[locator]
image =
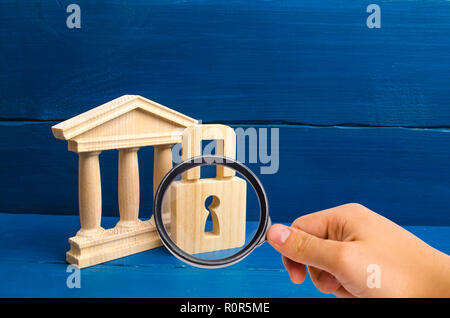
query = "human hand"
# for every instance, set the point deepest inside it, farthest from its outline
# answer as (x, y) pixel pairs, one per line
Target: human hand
(346, 247)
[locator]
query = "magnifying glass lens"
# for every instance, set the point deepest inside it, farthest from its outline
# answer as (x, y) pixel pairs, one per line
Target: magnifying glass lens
(209, 215)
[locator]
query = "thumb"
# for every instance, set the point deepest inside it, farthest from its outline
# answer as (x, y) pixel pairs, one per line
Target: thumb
(305, 248)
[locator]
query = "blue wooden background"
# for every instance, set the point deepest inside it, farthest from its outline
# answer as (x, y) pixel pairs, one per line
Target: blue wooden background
(364, 114)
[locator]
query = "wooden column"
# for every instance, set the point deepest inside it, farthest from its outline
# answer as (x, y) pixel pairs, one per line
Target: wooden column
(89, 194)
(128, 187)
(162, 163)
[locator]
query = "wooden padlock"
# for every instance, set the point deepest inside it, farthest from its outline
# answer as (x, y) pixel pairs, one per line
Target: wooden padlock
(188, 196)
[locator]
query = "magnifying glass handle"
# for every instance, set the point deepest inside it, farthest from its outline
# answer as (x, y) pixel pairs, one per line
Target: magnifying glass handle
(263, 239)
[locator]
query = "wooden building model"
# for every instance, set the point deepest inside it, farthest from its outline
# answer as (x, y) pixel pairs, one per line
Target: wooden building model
(126, 124)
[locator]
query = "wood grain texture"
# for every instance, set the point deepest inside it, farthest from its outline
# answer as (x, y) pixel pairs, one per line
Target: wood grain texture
(312, 62)
(124, 124)
(128, 187)
(112, 243)
(189, 215)
(187, 197)
(400, 173)
(89, 194)
(193, 136)
(36, 268)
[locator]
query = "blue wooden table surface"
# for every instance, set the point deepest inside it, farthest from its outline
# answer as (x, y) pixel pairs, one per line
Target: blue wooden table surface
(32, 265)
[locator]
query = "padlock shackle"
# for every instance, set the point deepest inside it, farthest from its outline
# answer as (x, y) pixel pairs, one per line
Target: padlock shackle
(191, 146)
(264, 222)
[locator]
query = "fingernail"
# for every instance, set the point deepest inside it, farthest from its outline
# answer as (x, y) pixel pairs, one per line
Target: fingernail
(278, 234)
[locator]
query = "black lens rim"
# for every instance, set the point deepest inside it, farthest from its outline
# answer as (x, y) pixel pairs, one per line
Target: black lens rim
(203, 160)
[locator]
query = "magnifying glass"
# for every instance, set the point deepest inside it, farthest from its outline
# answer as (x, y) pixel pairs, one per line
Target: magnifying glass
(211, 222)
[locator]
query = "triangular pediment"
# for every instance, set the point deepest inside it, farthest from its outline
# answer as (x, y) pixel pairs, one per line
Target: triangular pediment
(127, 121)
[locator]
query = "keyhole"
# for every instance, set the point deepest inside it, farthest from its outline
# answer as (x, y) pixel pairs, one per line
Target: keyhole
(212, 222)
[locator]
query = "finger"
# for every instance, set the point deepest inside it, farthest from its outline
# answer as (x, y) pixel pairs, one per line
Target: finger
(341, 292)
(297, 272)
(324, 281)
(304, 248)
(327, 224)
(317, 223)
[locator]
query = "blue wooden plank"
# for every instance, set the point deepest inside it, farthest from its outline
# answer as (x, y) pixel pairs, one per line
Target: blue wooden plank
(400, 173)
(307, 61)
(32, 265)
